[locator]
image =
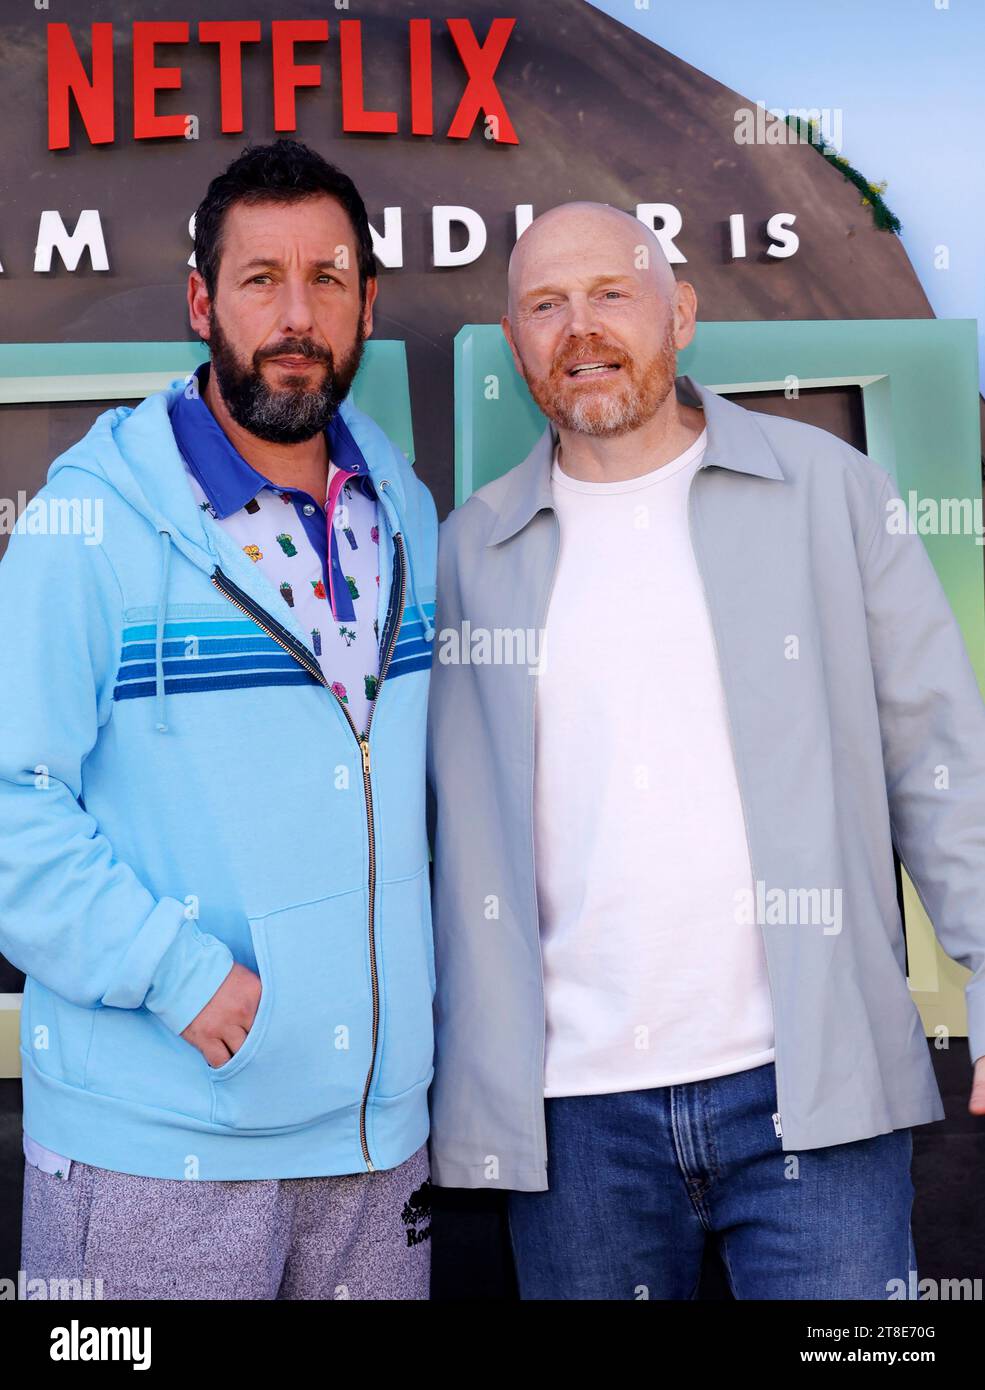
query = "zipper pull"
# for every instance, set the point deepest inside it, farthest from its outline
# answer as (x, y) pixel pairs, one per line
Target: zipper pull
(364, 745)
(776, 1125)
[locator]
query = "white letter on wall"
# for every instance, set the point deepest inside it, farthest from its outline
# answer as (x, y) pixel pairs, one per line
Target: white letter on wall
(787, 240)
(442, 217)
(389, 247)
(53, 236)
(671, 223)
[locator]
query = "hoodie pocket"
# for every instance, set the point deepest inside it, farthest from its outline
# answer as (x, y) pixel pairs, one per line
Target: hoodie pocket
(307, 1054)
(407, 953)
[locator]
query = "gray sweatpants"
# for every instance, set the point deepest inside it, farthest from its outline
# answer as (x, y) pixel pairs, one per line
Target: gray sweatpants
(359, 1236)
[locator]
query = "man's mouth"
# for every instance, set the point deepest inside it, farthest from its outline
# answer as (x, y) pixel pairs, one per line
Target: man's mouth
(582, 370)
(296, 363)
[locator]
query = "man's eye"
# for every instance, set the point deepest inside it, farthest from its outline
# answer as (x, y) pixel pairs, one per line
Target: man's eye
(255, 279)
(546, 304)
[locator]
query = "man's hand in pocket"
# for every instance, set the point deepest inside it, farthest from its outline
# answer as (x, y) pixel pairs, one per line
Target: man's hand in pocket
(220, 1029)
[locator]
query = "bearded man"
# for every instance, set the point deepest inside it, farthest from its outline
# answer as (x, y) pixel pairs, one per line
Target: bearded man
(215, 873)
(746, 689)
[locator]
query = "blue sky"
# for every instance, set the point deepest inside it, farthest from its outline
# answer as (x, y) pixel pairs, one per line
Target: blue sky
(909, 79)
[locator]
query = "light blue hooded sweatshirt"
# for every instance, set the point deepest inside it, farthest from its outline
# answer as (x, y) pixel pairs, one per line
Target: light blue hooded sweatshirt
(179, 790)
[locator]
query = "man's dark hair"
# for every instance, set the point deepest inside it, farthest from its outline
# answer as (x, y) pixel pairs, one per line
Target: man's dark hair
(284, 172)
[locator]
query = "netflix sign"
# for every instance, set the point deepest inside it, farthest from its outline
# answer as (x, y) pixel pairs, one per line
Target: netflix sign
(345, 56)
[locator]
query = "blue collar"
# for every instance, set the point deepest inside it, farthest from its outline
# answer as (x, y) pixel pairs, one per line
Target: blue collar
(227, 480)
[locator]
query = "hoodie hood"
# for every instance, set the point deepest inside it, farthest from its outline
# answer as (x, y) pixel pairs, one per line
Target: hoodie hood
(134, 451)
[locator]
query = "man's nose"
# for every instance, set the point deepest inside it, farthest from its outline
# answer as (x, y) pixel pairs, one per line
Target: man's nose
(582, 318)
(296, 308)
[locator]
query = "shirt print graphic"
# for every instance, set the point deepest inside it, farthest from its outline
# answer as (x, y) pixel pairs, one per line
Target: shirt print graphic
(271, 534)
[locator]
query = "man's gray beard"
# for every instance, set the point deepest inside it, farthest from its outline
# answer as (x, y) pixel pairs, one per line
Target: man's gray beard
(298, 413)
(288, 416)
(603, 418)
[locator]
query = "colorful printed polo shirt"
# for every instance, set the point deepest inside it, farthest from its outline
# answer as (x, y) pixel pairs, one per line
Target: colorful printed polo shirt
(322, 557)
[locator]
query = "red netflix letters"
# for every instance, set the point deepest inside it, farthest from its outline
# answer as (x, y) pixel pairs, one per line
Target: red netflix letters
(90, 86)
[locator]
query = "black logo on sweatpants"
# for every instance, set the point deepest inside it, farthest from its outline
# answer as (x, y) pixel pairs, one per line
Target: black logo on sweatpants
(417, 1211)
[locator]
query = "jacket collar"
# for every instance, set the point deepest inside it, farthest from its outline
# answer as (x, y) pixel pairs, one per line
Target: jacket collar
(734, 441)
(227, 480)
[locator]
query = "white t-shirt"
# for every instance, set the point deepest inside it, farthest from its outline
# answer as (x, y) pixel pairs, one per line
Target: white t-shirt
(650, 978)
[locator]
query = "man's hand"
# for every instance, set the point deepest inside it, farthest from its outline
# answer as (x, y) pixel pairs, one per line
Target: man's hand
(977, 1103)
(220, 1029)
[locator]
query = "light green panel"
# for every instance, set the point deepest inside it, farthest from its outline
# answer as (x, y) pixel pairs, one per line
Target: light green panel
(48, 372)
(919, 384)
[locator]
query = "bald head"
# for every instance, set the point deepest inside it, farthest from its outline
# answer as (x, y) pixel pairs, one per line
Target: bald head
(586, 240)
(595, 319)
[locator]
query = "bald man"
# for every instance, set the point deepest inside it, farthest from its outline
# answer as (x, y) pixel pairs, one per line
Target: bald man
(686, 669)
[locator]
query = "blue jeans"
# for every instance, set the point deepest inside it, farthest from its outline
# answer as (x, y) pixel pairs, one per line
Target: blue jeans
(639, 1179)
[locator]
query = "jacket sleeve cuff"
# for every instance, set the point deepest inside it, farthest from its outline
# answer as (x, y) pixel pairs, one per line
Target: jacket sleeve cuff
(187, 976)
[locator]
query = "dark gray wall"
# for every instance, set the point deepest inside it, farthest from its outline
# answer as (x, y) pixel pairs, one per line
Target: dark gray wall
(600, 113)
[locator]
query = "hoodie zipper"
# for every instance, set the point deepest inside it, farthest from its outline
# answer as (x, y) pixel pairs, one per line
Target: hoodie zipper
(745, 818)
(270, 625)
(293, 647)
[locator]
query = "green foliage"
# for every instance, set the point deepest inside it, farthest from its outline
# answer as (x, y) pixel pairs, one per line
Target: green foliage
(810, 133)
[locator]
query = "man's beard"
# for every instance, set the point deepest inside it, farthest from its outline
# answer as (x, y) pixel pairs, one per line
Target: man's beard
(620, 405)
(286, 414)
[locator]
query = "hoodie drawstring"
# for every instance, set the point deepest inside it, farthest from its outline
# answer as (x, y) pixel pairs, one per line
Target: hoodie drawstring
(162, 604)
(397, 525)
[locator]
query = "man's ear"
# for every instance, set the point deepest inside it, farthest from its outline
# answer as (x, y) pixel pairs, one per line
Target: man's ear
(372, 289)
(508, 331)
(199, 304)
(685, 314)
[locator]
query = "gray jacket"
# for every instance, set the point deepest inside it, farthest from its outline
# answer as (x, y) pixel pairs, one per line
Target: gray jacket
(838, 756)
